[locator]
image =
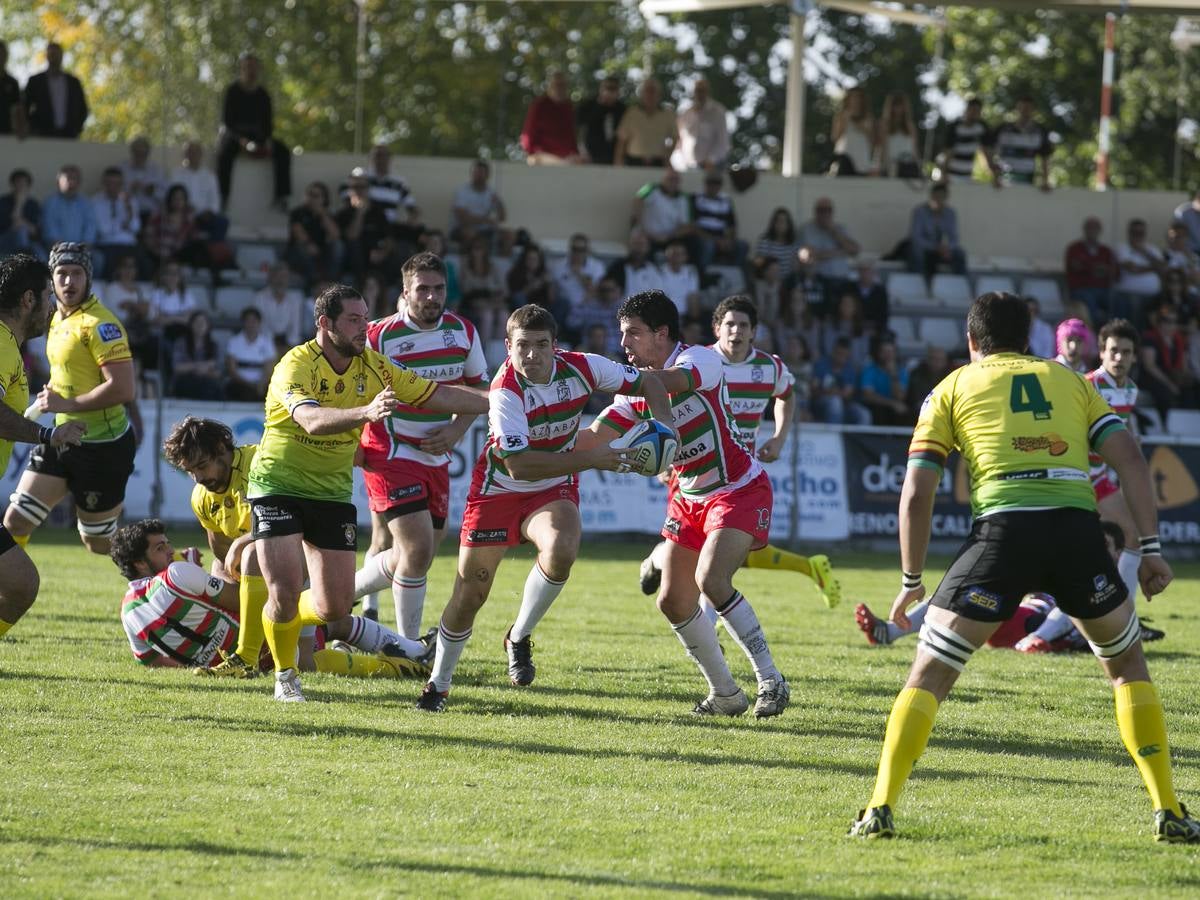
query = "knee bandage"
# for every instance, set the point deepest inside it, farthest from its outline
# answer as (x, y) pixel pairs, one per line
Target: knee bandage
(1122, 642)
(944, 645)
(105, 528)
(29, 507)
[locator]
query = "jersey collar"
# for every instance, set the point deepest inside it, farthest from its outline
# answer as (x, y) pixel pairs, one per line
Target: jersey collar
(407, 320)
(716, 348)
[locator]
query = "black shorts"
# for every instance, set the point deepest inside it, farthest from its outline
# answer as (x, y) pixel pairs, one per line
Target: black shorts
(1060, 552)
(326, 524)
(96, 473)
(6, 541)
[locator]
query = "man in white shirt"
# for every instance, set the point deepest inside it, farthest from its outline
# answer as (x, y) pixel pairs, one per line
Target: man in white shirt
(143, 179)
(578, 274)
(478, 210)
(249, 360)
(681, 282)
(117, 223)
(637, 271)
(1142, 266)
(662, 211)
(203, 192)
(282, 309)
(703, 132)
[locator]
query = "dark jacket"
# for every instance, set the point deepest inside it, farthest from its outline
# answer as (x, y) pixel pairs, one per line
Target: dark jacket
(40, 111)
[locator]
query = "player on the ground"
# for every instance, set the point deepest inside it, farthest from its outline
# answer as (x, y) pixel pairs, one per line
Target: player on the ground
(301, 479)
(719, 513)
(24, 314)
(1023, 426)
(177, 615)
(754, 379)
(524, 486)
(91, 380)
(406, 458)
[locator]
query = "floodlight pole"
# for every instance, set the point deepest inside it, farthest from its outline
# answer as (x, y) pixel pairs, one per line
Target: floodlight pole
(793, 119)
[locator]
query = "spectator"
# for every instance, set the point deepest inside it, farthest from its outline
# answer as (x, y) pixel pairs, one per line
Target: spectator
(249, 359)
(1142, 266)
(55, 105)
(434, 241)
(171, 303)
(196, 361)
(883, 385)
(171, 233)
(826, 248)
(577, 275)
(596, 340)
(896, 145)
(853, 136)
(314, 247)
(366, 234)
(483, 295)
(117, 223)
(248, 126)
(1180, 258)
(768, 288)
(20, 217)
(834, 385)
(798, 318)
(1188, 215)
(662, 211)
(598, 119)
(548, 136)
(379, 304)
(647, 132)
(962, 141)
(1020, 149)
(872, 297)
(847, 322)
(130, 299)
(1164, 358)
(925, 376)
(716, 225)
(478, 210)
(779, 242)
(1091, 269)
(389, 192)
(530, 282)
(703, 132)
(201, 185)
(12, 113)
(1175, 292)
(601, 310)
(933, 236)
(636, 271)
(282, 308)
(1041, 335)
(797, 356)
(143, 179)
(69, 216)
(681, 281)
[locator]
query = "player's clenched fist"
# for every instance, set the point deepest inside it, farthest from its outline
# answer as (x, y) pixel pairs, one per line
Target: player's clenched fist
(68, 433)
(382, 406)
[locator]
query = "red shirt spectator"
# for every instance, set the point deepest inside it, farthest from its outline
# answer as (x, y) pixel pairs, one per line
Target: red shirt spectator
(548, 135)
(1089, 263)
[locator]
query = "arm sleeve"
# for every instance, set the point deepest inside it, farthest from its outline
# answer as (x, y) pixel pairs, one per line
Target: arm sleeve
(507, 422)
(108, 343)
(475, 368)
(933, 437)
(613, 377)
(621, 414)
(703, 366)
(784, 379)
(409, 387)
(292, 386)
(1103, 422)
(142, 650)
(190, 580)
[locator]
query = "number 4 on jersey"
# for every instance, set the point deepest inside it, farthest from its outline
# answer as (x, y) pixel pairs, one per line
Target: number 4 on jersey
(1027, 396)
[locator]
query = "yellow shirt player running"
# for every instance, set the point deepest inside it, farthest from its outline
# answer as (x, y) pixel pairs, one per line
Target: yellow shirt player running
(91, 380)
(1023, 426)
(321, 395)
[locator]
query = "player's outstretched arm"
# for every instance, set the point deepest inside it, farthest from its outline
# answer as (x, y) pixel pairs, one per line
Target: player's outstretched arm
(15, 427)
(916, 518)
(785, 413)
(1120, 450)
(455, 399)
(657, 398)
(317, 419)
(534, 465)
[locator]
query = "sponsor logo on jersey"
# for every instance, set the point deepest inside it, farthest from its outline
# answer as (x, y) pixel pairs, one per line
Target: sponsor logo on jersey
(1051, 442)
(691, 453)
(671, 526)
(514, 440)
(406, 347)
(399, 493)
(323, 387)
(108, 331)
(487, 535)
(977, 596)
(360, 384)
(1105, 589)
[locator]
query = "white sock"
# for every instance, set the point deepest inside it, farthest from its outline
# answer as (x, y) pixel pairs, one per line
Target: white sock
(699, 639)
(710, 611)
(1055, 625)
(916, 616)
(450, 646)
(370, 636)
(1127, 565)
(742, 624)
(372, 578)
(408, 594)
(540, 592)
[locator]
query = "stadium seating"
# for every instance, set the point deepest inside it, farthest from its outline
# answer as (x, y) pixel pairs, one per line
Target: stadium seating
(953, 291)
(986, 284)
(1045, 291)
(231, 300)
(948, 333)
(906, 290)
(255, 260)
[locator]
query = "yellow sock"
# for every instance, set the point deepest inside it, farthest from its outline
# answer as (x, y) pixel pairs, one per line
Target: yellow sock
(1144, 731)
(908, 730)
(284, 640)
(308, 612)
(770, 557)
(4, 626)
(252, 597)
(22, 539)
(357, 665)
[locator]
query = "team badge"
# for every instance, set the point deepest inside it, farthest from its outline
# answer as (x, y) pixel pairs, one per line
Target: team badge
(91, 499)
(756, 374)
(407, 347)
(448, 340)
(360, 384)
(350, 532)
(340, 387)
(564, 392)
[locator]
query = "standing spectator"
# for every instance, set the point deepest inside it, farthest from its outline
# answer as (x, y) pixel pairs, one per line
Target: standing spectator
(1142, 266)
(249, 359)
(598, 119)
(482, 288)
(716, 225)
(143, 179)
(636, 271)
(68, 216)
(826, 248)
(1020, 149)
(896, 146)
(834, 386)
(925, 376)
(648, 131)
(171, 233)
(872, 297)
(171, 303)
(478, 210)
(600, 310)
(196, 361)
(1188, 215)
(577, 275)
(282, 308)
(201, 185)
(962, 141)
(314, 247)
(662, 211)
(779, 243)
(703, 132)
(55, 105)
(1091, 269)
(117, 223)
(933, 236)
(681, 282)
(530, 282)
(389, 192)
(1164, 359)
(548, 136)
(12, 113)
(366, 234)
(883, 385)
(1041, 335)
(853, 134)
(20, 217)
(248, 126)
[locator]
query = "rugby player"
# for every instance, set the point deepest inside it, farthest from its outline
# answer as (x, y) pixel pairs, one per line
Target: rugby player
(720, 512)
(24, 314)
(301, 479)
(406, 458)
(91, 380)
(1023, 426)
(754, 378)
(524, 486)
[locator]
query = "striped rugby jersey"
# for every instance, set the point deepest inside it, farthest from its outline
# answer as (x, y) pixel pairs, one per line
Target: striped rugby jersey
(546, 417)
(752, 384)
(448, 353)
(173, 614)
(1122, 400)
(711, 457)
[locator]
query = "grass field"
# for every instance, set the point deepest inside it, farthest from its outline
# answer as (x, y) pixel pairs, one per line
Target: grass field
(596, 781)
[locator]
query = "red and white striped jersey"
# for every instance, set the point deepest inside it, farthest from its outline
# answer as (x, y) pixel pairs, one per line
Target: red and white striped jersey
(172, 614)
(448, 353)
(1122, 399)
(527, 416)
(752, 384)
(712, 457)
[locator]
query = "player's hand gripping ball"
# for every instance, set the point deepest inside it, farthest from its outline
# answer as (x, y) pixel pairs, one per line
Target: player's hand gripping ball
(653, 445)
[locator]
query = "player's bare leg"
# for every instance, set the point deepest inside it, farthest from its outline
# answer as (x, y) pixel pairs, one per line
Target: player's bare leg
(19, 582)
(282, 561)
(30, 504)
(414, 543)
(97, 528)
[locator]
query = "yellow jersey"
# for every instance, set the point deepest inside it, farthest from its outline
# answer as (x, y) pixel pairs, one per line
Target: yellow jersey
(292, 462)
(77, 345)
(14, 385)
(227, 513)
(1024, 426)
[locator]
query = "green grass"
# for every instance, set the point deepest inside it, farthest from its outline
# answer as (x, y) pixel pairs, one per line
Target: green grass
(595, 782)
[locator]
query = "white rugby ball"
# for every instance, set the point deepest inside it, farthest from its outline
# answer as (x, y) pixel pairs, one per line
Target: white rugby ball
(654, 447)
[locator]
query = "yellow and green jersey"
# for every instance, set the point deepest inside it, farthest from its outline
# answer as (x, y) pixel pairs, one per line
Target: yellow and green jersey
(228, 512)
(78, 344)
(1024, 426)
(14, 386)
(291, 461)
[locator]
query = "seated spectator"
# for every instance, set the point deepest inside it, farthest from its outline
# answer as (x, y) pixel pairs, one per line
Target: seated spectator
(1180, 258)
(798, 318)
(779, 243)
(1091, 269)
(117, 223)
(768, 288)
(847, 322)
(1041, 335)
(600, 310)
(826, 248)
(1142, 266)
(282, 309)
(530, 282)
(596, 340)
(1188, 215)
(925, 376)
(55, 105)
(716, 225)
(1076, 345)
(703, 132)
(962, 141)
(647, 132)
(483, 296)
(834, 387)
(575, 279)
(681, 282)
(434, 241)
(366, 235)
(250, 357)
(143, 179)
(203, 192)
(873, 298)
(853, 134)
(379, 303)
(248, 126)
(196, 362)
(933, 236)
(171, 233)
(1175, 292)
(662, 211)
(636, 271)
(131, 300)
(21, 217)
(478, 210)
(68, 216)
(1164, 363)
(12, 114)
(397, 199)
(548, 136)
(314, 247)
(883, 385)
(597, 119)
(171, 303)
(797, 356)
(1020, 148)
(896, 151)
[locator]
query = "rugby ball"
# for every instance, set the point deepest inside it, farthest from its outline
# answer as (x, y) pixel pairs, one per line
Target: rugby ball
(653, 444)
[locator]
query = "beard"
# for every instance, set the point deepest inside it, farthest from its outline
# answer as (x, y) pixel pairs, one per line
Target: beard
(344, 346)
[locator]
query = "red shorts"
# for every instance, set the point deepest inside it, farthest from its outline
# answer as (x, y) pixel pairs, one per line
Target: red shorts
(1105, 485)
(401, 486)
(495, 520)
(1016, 628)
(747, 509)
